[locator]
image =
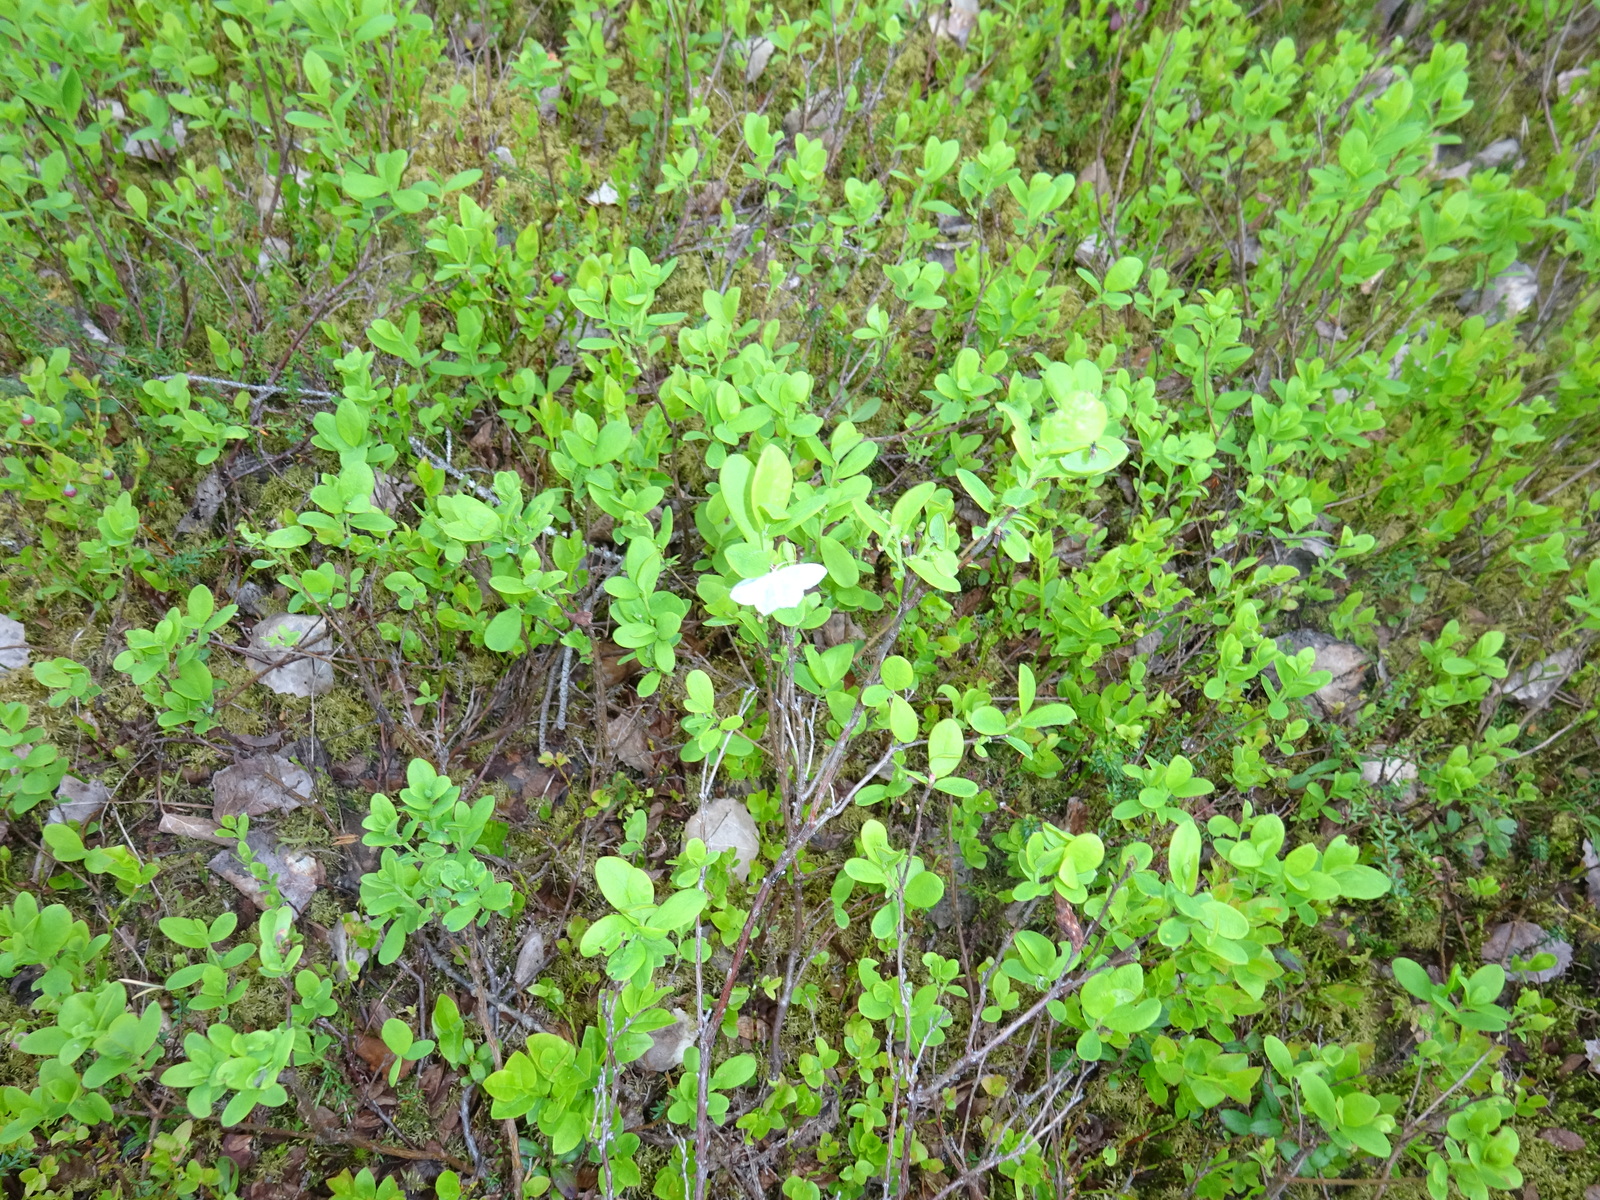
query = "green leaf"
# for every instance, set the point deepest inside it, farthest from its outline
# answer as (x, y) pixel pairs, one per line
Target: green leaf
(902, 720)
(1413, 978)
(71, 95)
(842, 568)
(896, 673)
(772, 482)
(679, 911)
(977, 489)
(504, 631)
(624, 886)
(736, 1071)
(1183, 856)
(945, 748)
(924, 890)
(1319, 1098)
(1124, 274)
(397, 1036)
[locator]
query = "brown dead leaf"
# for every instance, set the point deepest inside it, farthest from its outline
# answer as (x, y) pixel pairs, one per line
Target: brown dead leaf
(1077, 816)
(612, 669)
(1067, 921)
(366, 1122)
(528, 779)
(378, 1057)
(241, 1148)
(625, 738)
(436, 1079)
(1563, 1139)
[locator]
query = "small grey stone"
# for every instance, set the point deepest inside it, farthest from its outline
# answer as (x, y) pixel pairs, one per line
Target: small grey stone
(1346, 661)
(1497, 154)
(726, 824)
(14, 648)
(249, 598)
(309, 752)
(1392, 772)
(1536, 683)
(667, 1045)
(1591, 872)
(209, 494)
(294, 646)
(757, 54)
(1508, 294)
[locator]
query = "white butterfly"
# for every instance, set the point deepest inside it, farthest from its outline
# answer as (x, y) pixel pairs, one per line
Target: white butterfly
(781, 588)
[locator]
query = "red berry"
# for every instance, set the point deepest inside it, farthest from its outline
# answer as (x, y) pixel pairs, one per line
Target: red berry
(557, 278)
(69, 491)
(108, 473)
(27, 419)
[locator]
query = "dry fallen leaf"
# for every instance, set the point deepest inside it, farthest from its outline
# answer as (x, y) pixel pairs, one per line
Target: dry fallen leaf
(1563, 1139)
(530, 959)
(266, 783)
(378, 1057)
(1524, 940)
(625, 737)
(191, 827)
(80, 801)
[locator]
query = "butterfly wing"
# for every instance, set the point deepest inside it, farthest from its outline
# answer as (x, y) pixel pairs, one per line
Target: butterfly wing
(782, 588)
(755, 592)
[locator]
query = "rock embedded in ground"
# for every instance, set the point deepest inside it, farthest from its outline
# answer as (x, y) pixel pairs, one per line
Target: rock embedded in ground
(758, 53)
(14, 648)
(295, 647)
(1563, 1139)
(1524, 940)
(209, 494)
(260, 785)
(1346, 661)
(1509, 293)
(1537, 682)
(726, 824)
(667, 1045)
(1392, 772)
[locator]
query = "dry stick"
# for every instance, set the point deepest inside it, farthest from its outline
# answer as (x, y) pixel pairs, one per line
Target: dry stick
(481, 994)
(361, 1143)
(819, 817)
